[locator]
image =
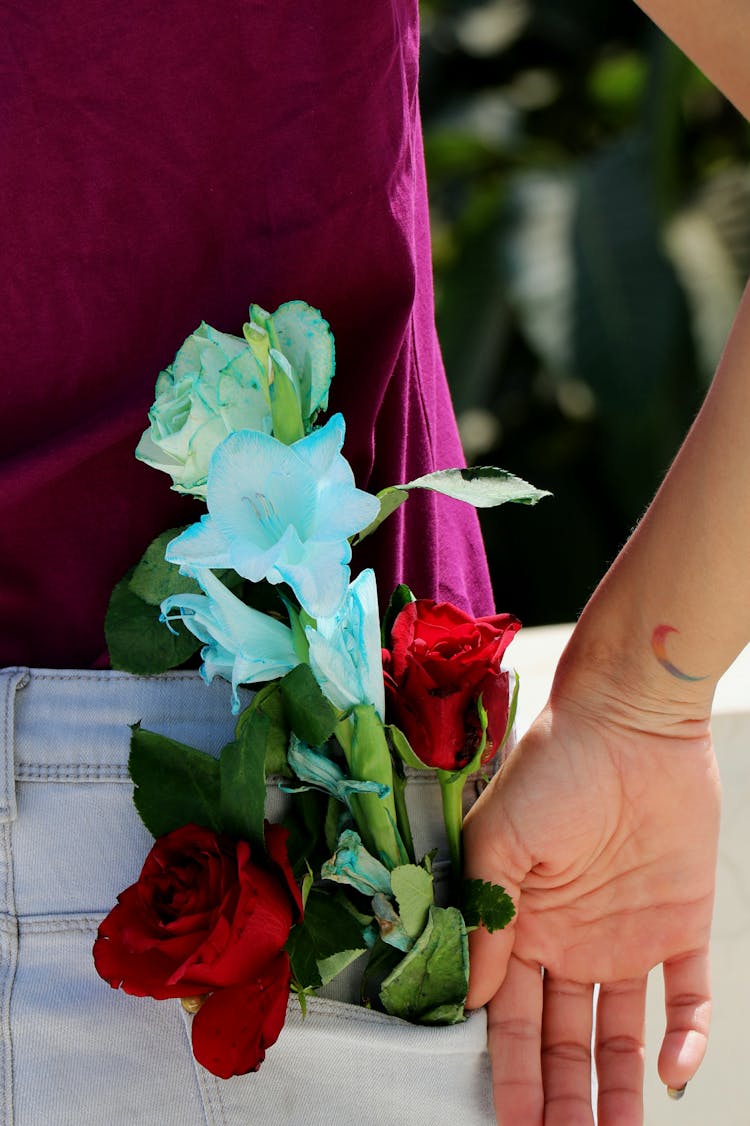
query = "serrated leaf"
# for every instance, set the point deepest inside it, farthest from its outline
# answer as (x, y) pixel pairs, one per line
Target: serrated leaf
(243, 780)
(174, 784)
(429, 985)
(484, 486)
(311, 716)
(329, 935)
(138, 642)
(390, 499)
(412, 887)
(488, 904)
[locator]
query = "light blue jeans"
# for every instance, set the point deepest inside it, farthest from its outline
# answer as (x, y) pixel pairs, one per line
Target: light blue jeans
(74, 1051)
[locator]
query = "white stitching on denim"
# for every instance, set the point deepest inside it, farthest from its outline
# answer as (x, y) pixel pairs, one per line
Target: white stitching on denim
(58, 924)
(72, 772)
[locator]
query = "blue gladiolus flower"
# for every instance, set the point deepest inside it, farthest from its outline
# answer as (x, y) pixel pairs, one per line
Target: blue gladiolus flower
(243, 645)
(281, 513)
(345, 650)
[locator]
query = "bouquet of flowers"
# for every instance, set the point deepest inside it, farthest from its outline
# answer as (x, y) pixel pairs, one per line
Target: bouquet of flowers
(230, 912)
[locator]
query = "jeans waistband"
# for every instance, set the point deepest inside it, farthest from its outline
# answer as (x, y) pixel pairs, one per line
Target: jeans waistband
(75, 724)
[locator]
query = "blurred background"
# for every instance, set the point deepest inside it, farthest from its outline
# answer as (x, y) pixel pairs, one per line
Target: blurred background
(590, 198)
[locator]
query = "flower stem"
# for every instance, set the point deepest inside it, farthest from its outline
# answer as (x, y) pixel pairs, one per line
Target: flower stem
(451, 789)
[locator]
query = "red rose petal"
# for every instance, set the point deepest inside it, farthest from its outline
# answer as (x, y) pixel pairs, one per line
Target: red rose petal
(234, 1027)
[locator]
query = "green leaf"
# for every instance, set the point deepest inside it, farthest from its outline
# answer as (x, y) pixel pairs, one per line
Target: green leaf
(401, 597)
(304, 821)
(270, 703)
(390, 499)
(137, 641)
(403, 748)
(488, 904)
(399, 798)
(153, 579)
(484, 486)
(412, 887)
(174, 784)
(382, 961)
(285, 406)
(328, 939)
(310, 715)
(429, 985)
(243, 780)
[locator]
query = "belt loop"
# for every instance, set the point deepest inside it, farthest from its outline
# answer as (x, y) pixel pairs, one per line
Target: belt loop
(10, 681)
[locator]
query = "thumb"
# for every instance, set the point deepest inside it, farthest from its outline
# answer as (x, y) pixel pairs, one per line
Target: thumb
(490, 854)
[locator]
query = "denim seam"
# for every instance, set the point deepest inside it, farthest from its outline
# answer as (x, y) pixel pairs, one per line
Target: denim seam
(11, 681)
(9, 931)
(58, 924)
(206, 1083)
(8, 960)
(71, 772)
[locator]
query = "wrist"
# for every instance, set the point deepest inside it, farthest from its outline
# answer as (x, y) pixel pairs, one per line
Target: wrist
(611, 668)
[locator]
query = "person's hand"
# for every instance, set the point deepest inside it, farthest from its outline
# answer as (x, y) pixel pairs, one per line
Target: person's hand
(603, 827)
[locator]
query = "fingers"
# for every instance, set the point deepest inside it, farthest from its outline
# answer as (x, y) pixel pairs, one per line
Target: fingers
(687, 997)
(566, 1052)
(493, 853)
(620, 1051)
(514, 1033)
(488, 960)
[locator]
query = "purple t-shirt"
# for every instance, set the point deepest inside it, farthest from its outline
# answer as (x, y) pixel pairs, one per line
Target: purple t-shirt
(168, 163)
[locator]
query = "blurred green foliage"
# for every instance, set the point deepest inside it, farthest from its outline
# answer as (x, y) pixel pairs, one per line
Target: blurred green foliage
(590, 197)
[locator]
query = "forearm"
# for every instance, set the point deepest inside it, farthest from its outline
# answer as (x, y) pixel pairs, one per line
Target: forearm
(686, 567)
(715, 34)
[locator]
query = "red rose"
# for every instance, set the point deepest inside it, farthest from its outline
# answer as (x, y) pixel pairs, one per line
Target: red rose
(207, 918)
(441, 661)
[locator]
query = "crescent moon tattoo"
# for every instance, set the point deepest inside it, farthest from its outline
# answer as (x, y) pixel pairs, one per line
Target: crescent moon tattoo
(658, 647)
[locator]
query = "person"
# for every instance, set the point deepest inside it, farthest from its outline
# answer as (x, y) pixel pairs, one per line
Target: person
(162, 165)
(603, 823)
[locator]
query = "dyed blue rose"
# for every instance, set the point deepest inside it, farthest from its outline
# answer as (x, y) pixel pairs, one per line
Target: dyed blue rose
(345, 649)
(212, 388)
(281, 513)
(243, 645)
(218, 384)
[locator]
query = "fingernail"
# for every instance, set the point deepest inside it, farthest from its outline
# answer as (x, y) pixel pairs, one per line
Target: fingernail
(676, 1092)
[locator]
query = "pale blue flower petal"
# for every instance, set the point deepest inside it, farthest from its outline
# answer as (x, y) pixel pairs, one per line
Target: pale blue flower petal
(284, 513)
(345, 650)
(200, 545)
(392, 930)
(319, 450)
(321, 773)
(342, 511)
(243, 645)
(302, 331)
(256, 487)
(321, 578)
(352, 864)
